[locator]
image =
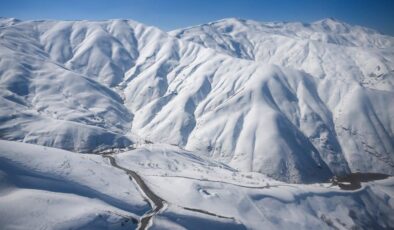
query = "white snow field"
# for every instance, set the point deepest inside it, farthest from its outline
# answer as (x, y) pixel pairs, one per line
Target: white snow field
(231, 124)
(48, 188)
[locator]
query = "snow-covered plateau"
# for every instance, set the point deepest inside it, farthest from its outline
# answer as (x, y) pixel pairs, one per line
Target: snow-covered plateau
(234, 124)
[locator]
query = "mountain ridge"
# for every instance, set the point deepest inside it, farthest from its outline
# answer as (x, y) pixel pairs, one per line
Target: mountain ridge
(266, 115)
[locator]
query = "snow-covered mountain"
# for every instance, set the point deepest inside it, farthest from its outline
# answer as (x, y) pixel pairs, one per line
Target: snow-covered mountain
(220, 110)
(350, 67)
(298, 102)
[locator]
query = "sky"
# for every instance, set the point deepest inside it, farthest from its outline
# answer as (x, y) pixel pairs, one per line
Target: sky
(173, 14)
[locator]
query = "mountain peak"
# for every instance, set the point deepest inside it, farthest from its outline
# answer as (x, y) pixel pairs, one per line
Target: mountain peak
(232, 19)
(332, 25)
(329, 20)
(230, 22)
(4, 21)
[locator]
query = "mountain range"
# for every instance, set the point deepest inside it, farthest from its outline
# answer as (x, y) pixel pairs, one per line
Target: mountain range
(283, 102)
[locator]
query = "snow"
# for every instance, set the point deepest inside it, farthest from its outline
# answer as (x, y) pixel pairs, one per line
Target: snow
(171, 161)
(185, 181)
(276, 207)
(235, 115)
(51, 210)
(43, 187)
(88, 86)
(102, 84)
(76, 188)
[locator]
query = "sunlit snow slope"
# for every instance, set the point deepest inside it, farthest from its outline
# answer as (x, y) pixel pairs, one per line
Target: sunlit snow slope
(48, 188)
(353, 75)
(294, 101)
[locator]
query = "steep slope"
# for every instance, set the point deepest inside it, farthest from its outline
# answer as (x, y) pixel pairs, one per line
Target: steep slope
(324, 49)
(44, 102)
(286, 43)
(353, 67)
(88, 86)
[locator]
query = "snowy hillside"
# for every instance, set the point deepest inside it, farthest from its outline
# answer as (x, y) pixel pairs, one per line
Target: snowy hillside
(47, 188)
(352, 73)
(217, 125)
(298, 102)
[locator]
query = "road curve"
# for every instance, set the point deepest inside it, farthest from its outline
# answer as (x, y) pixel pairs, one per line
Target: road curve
(156, 203)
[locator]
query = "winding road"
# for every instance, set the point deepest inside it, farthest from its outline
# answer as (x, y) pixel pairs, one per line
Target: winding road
(157, 203)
